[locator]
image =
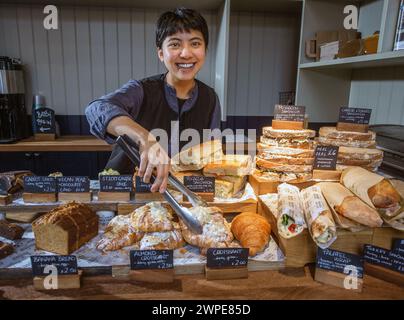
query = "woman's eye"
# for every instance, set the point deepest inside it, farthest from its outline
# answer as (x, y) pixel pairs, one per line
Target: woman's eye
(174, 45)
(196, 44)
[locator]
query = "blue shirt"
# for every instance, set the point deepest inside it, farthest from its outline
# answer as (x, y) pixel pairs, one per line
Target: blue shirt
(128, 100)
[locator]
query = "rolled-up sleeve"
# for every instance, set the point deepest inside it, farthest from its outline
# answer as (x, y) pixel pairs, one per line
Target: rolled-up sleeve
(125, 101)
(217, 116)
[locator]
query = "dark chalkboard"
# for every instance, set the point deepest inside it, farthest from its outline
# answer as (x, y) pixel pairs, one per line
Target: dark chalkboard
(64, 264)
(151, 259)
(289, 113)
(392, 260)
(142, 187)
(336, 261)
(122, 183)
(325, 157)
(355, 115)
(73, 184)
(398, 245)
(44, 120)
(227, 257)
(200, 184)
(40, 184)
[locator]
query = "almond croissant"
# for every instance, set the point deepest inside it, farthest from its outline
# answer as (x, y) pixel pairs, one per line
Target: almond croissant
(252, 230)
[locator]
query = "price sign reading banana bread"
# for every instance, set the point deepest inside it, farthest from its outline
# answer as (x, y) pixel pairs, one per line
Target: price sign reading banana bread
(142, 187)
(151, 259)
(44, 120)
(200, 184)
(227, 257)
(325, 157)
(289, 113)
(392, 260)
(40, 184)
(73, 184)
(339, 261)
(355, 115)
(122, 183)
(46, 265)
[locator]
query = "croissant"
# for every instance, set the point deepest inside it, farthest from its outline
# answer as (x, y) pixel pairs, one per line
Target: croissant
(252, 230)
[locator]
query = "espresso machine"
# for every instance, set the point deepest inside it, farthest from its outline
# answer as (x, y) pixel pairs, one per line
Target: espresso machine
(13, 113)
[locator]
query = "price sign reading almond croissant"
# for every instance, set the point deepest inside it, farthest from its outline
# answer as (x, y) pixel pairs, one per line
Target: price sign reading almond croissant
(325, 157)
(151, 259)
(227, 257)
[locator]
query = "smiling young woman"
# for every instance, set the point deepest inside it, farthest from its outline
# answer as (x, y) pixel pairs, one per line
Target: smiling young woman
(172, 102)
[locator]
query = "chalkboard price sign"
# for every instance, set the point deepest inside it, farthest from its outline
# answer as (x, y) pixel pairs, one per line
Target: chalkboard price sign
(44, 120)
(64, 264)
(392, 260)
(40, 184)
(325, 157)
(227, 257)
(200, 184)
(338, 261)
(73, 184)
(151, 259)
(289, 113)
(142, 187)
(355, 115)
(122, 183)
(398, 246)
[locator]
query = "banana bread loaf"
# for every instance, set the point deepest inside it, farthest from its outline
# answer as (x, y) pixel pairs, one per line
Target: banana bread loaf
(65, 228)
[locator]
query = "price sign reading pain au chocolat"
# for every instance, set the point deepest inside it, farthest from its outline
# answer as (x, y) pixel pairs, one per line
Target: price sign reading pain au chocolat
(325, 157)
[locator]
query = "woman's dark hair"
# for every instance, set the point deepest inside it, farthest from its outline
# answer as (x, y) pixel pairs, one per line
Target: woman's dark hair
(180, 20)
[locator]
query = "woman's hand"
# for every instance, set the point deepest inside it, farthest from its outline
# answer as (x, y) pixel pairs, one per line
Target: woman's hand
(154, 160)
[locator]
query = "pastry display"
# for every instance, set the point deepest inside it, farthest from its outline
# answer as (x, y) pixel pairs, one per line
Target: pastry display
(346, 204)
(355, 148)
(10, 231)
(216, 230)
(252, 231)
(196, 157)
(290, 220)
(5, 249)
(56, 174)
(152, 217)
(168, 240)
(318, 217)
(285, 155)
(12, 182)
(66, 228)
(109, 172)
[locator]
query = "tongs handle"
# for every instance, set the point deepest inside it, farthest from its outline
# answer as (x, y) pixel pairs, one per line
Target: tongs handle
(132, 151)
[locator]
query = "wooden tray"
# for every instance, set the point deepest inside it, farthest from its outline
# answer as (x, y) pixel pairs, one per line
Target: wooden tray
(262, 186)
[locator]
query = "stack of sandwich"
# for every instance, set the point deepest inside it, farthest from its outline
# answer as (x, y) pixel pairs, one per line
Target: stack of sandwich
(207, 159)
(355, 148)
(285, 155)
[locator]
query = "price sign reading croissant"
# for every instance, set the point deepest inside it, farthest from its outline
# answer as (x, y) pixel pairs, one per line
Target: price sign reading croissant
(64, 264)
(325, 157)
(227, 257)
(151, 259)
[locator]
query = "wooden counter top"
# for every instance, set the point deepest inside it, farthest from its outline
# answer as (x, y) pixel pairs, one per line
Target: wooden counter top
(285, 284)
(64, 143)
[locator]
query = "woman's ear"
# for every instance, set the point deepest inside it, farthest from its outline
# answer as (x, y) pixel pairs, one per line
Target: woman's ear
(160, 54)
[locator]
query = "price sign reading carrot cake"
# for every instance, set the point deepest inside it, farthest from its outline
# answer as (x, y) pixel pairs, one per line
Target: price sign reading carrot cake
(122, 183)
(151, 259)
(42, 265)
(39, 184)
(325, 157)
(355, 115)
(227, 257)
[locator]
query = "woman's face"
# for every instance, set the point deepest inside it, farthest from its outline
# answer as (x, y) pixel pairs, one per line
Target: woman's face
(183, 54)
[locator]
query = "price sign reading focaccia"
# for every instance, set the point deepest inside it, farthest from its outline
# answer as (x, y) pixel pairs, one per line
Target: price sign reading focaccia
(40, 184)
(64, 264)
(289, 113)
(73, 184)
(151, 259)
(325, 157)
(227, 257)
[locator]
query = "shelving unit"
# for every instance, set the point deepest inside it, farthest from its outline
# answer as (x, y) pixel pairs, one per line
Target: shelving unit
(361, 81)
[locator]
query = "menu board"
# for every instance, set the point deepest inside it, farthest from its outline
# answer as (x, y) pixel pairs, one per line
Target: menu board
(40, 184)
(355, 115)
(325, 157)
(227, 257)
(44, 120)
(64, 264)
(151, 259)
(200, 184)
(121, 183)
(337, 261)
(73, 184)
(392, 260)
(289, 113)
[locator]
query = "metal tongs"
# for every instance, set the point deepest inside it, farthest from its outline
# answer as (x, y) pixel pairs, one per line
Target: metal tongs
(131, 149)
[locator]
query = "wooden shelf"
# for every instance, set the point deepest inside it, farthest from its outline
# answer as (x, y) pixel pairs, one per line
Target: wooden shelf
(393, 58)
(64, 143)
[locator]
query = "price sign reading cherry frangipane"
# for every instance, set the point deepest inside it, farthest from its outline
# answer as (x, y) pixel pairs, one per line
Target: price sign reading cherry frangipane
(325, 157)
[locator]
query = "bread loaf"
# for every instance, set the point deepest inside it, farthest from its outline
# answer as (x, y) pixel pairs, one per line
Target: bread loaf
(65, 228)
(333, 133)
